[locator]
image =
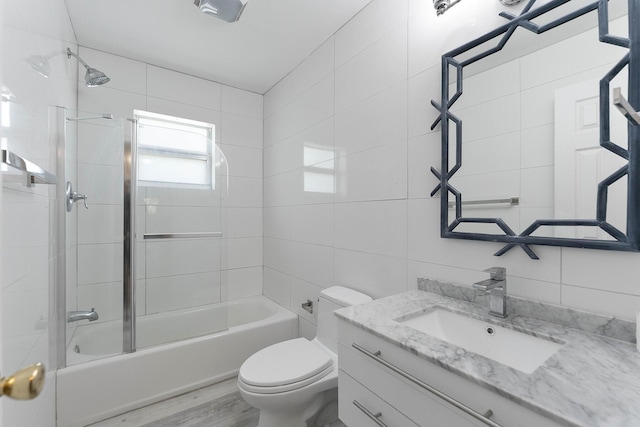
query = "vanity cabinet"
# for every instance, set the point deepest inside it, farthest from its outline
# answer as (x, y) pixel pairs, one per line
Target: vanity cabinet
(382, 384)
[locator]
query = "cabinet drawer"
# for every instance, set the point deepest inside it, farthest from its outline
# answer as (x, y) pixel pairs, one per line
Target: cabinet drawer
(411, 399)
(358, 406)
(406, 397)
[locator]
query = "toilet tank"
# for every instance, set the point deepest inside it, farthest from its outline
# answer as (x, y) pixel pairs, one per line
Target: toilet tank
(332, 299)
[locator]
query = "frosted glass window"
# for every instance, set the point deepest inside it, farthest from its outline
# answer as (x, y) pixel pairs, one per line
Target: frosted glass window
(172, 169)
(174, 150)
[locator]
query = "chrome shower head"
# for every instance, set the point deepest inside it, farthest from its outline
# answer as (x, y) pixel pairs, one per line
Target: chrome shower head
(227, 10)
(92, 77)
(441, 6)
(95, 77)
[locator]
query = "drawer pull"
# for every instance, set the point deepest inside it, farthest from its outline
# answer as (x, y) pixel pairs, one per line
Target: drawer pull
(464, 408)
(374, 417)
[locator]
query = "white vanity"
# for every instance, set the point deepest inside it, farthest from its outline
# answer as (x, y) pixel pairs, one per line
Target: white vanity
(394, 374)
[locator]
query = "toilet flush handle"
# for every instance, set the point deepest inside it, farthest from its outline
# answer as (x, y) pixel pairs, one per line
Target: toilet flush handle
(308, 306)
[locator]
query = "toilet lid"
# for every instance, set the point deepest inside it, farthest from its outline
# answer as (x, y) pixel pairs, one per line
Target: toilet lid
(284, 363)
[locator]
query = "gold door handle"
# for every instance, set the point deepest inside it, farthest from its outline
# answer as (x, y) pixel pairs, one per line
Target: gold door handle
(25, 384)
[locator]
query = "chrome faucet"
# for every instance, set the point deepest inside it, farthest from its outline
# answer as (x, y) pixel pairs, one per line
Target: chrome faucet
(74, 316)
(496, 287)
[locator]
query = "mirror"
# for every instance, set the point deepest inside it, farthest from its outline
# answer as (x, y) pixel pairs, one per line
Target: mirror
(534, 149)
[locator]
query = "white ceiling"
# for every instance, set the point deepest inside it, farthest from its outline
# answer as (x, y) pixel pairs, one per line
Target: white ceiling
(269, 40)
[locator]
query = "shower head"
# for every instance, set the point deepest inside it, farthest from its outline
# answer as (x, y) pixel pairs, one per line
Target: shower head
(92, 77)
(95, 77)
(441, 6)
(227, 10)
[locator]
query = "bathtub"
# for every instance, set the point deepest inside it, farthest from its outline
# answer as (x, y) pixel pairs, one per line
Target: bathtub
(108, 383)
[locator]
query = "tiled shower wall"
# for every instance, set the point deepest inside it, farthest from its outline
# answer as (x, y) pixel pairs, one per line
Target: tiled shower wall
(237, 116)
(29, 241)
(348, 148)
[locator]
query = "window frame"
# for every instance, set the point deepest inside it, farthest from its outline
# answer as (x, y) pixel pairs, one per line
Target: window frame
(177, 153)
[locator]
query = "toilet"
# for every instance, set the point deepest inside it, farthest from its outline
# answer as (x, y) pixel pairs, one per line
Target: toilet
(293, 381)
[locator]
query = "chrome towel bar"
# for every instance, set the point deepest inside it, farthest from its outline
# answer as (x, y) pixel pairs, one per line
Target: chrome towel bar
(513, 201)
(202, 235)
(35, 174)
(477, 415)
(624, 107)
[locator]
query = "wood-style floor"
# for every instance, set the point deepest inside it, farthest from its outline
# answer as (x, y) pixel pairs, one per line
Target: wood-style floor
(219, 405)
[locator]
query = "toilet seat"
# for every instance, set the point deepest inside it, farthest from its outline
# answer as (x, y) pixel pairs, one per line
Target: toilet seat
(285, 366)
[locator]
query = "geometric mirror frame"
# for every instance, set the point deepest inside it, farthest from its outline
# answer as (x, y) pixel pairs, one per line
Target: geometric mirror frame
(620, 240)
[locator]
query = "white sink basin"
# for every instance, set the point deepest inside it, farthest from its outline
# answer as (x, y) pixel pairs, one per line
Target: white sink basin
(518, 350)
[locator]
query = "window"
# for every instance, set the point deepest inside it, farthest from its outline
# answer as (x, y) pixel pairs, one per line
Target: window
(174, 151)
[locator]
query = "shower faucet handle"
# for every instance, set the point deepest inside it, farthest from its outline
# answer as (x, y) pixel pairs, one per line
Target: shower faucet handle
(74, 196)
(77, 196)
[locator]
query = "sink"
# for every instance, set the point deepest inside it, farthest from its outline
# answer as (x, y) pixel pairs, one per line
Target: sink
(518, 350)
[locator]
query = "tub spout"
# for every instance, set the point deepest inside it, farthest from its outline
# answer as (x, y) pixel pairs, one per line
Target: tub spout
(74, 316)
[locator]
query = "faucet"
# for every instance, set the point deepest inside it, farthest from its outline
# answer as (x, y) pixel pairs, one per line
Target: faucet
(496, 287)
(74, 316)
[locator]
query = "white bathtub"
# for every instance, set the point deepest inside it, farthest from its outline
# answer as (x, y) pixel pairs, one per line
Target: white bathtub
(110, 383)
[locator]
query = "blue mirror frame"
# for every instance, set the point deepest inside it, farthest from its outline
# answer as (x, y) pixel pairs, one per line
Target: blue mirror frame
(628, 240)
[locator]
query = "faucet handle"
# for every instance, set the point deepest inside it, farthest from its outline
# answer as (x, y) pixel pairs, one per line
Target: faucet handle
(497, 273)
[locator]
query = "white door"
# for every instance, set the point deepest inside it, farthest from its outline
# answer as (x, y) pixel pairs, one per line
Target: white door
(580, 162)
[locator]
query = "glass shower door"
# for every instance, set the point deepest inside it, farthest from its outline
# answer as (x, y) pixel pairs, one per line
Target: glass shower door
(93, 221)
(181, 187)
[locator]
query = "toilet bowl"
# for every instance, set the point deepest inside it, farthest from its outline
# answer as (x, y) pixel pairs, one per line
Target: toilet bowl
(294, 380)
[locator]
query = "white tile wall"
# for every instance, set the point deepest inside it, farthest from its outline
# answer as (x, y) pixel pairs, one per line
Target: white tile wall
(244, 282)
(277, 286)
(379, 120)
(368, 26)
(184, 291)
(376, 174)
(312, 70)
(177, 87)
(365, 74)
(376, 227)
(99, 263)
(380, 230)
(241, 102)
(106, 298)
(240, 130)
(311, 107)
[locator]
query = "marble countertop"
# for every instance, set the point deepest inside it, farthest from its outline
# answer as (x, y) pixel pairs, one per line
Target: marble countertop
(591, 381)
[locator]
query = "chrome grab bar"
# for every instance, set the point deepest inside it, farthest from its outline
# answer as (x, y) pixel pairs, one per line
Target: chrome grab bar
(374, 417)
(477, 415)
(513, 201)
(156, 236)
